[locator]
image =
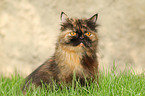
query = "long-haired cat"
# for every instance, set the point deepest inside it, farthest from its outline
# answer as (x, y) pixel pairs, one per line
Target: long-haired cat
(75, 53)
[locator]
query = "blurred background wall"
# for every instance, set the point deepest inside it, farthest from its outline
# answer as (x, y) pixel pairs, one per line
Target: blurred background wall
(29, 30)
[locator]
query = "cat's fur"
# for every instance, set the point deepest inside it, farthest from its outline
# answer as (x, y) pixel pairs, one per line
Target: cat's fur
(75, 53)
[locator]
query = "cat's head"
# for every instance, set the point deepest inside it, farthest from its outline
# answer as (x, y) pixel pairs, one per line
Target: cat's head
(78, 32)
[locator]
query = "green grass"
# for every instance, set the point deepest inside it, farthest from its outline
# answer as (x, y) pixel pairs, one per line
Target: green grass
(123, 84)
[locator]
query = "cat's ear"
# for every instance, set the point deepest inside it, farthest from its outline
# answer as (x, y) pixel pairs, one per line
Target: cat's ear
(63, 17)
(93, 18)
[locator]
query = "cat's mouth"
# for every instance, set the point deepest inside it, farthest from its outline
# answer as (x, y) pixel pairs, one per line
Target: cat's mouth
(81, 44)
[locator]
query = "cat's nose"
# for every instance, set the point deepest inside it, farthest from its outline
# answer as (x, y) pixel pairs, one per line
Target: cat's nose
(82, 37)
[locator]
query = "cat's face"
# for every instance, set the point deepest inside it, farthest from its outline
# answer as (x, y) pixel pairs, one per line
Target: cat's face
(78, 32)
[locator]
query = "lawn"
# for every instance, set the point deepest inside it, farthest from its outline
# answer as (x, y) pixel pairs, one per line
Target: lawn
(110, 84)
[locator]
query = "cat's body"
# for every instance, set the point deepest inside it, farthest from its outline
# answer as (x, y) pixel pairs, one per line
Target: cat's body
(75, 53)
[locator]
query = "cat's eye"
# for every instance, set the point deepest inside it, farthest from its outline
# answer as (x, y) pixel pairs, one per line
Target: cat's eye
(72, 33)
(88, 34)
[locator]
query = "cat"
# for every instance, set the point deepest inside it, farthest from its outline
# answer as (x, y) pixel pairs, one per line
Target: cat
(75, 53)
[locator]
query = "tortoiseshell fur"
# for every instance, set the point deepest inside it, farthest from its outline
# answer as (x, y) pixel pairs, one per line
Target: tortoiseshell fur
(73, 54)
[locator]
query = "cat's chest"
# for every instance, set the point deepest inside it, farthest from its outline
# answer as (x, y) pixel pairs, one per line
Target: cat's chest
(71, 62)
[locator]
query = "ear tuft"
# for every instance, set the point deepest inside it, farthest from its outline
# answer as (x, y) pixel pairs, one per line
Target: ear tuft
(94, 18)
(63, 17)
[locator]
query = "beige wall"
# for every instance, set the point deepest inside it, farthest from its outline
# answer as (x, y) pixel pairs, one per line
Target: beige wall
(29, 30)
